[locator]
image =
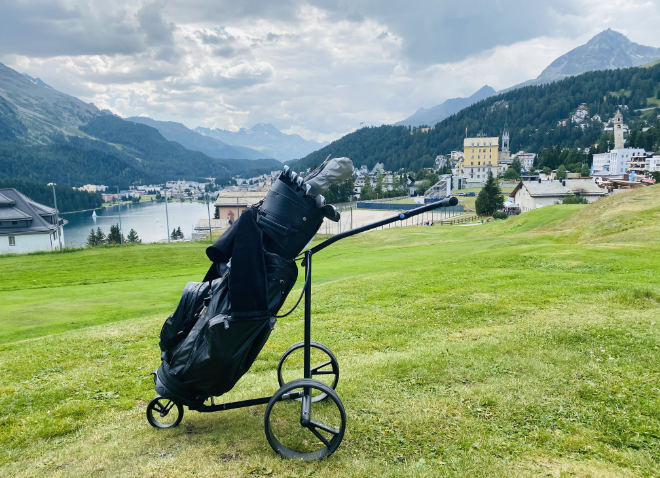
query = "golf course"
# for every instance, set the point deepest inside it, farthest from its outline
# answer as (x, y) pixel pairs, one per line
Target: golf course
(521, 347)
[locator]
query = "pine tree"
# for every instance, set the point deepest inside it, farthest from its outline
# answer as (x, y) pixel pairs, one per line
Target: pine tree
(174, 235)
(490, 197)
(91, 239)
(179, 234)
(366, 192)
(133, 237)
(115, 236)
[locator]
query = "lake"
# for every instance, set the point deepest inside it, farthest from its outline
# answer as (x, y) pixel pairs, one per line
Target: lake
(147, 218)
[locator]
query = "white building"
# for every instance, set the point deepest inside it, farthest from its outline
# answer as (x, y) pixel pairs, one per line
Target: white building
(615, 162)
(526, 159)
(529, 195)
(27, 226)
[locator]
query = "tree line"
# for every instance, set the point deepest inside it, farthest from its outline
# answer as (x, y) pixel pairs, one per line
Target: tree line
(98, 237)
(68, 199)
(537, 117)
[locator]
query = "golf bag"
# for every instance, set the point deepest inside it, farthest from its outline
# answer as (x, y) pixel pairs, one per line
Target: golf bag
(222, 323)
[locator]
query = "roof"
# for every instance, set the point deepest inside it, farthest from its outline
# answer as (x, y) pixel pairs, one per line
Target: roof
(542, 189)
(583, 187)
(15, 206)
(239, 198)
(4, 201)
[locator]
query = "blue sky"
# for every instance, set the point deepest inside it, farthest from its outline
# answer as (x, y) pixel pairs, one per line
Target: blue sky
(316, 68)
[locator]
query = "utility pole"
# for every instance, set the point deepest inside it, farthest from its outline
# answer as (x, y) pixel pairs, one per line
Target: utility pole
(167, 216)
(57, 216)
(208, 210)
(121, 239)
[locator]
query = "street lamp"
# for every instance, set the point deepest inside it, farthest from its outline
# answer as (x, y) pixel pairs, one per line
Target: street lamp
(167, 216)
(57, 217)
(121, 237)
(208, 211)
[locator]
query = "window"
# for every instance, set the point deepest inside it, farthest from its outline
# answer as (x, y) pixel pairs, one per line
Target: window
(12, 240)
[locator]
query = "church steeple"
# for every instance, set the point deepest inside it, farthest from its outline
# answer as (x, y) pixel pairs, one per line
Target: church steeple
(618, 130)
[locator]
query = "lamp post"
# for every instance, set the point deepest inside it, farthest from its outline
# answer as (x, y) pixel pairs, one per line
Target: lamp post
(167, 216)
(57, 217)
(208, 210)
(121, 237)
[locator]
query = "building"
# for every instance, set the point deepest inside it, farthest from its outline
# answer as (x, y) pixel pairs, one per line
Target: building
(480, 156)
(647, 162)
(617, 123)
(615, 162)
(27, 226)
(229, 205)
(94, 188)
(530, 195)
(586, 188)
(504, 156)
(526, 160)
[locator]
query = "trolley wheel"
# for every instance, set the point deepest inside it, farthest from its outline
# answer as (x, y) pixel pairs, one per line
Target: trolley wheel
(324, 366)
(164, 413)
(299, 428)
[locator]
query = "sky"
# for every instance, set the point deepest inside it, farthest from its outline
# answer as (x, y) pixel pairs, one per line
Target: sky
(316, 68)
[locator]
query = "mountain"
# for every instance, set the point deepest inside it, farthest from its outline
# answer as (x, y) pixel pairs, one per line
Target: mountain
(537, 116)
(35, 112)
(608, 50)
(435, 114)
(46, 135)
(197, 142)
(267, 139)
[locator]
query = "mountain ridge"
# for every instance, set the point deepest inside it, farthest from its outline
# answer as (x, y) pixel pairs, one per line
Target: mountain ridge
(435, 114)
(48, 134)
(266, 138)
(194, 141)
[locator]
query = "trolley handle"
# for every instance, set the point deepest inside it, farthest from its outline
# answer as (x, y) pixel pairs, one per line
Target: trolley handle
(447, 202)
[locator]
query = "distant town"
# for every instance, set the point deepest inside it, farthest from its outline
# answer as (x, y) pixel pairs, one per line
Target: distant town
(482, 156)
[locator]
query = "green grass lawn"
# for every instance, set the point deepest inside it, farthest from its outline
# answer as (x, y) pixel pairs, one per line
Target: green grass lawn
(523, 347)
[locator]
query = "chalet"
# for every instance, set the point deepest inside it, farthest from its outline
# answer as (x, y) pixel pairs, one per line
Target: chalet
(229, 205)
(27, 226)
(530, 195)
(585, 188)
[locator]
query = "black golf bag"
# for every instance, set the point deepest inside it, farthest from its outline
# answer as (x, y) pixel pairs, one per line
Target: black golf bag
(221, 323)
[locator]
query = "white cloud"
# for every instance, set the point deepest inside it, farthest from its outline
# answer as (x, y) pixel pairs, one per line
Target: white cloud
(319, 68)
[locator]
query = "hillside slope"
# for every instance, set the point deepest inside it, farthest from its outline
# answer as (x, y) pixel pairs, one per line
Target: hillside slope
(521, 353)
(537, 117)
(46, 134)
(195, 141)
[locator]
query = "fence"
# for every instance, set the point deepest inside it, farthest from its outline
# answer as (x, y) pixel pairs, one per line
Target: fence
(367, 213)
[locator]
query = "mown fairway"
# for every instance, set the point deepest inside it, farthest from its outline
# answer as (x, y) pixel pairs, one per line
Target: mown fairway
(523, 347)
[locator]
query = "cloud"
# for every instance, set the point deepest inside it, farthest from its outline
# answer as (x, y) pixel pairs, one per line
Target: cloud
(319, 68)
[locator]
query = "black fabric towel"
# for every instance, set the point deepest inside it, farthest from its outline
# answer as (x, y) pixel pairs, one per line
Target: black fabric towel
(243, 244)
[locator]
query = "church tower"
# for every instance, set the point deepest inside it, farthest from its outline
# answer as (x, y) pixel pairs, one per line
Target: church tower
(505, 143)
(618, 130)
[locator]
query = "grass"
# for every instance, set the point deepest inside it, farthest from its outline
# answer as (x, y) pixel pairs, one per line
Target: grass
(523, 347)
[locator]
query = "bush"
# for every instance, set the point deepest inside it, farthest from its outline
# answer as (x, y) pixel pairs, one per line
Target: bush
(574, 200)
(500, 215)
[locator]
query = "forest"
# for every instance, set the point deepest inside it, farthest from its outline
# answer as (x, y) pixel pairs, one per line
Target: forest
(120, 153)
(68, 200)
(537, 117)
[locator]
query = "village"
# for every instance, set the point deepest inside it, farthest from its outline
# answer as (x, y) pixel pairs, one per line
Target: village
(376, 191)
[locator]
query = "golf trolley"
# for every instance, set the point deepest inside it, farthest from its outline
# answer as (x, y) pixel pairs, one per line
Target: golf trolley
(304, 419)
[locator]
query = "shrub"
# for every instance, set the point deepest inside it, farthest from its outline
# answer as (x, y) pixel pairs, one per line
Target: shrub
(500, 215)
(574, 200)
